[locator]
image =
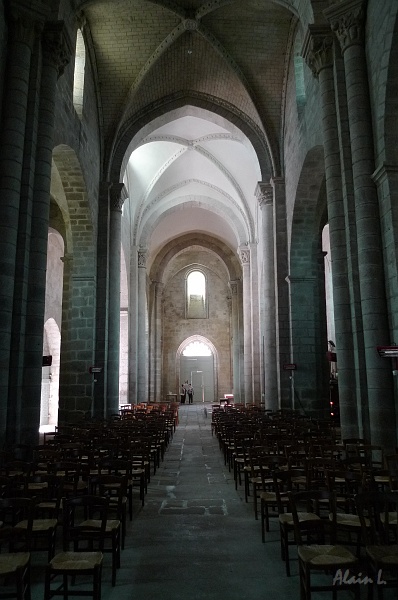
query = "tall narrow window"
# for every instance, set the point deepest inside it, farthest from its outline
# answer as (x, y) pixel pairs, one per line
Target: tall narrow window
(299, 74)
(78, 84)
(328, 284)
(196, 296)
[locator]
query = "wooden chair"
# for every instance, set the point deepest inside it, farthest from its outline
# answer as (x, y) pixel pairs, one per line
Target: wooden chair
(14, 567)
(120, 467)
(284, 484)
(321, 561)
(262, 465)
(40, 532)
(113, 487)
(86, 558)
(381, 537)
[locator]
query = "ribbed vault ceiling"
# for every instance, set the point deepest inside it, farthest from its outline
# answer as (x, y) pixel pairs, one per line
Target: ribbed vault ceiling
(192, 170)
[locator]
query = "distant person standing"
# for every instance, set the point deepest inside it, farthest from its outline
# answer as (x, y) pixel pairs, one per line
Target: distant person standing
(190, 394)
(183, 393)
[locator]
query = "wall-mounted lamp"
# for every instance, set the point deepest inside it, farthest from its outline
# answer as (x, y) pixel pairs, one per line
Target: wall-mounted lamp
(390, 352)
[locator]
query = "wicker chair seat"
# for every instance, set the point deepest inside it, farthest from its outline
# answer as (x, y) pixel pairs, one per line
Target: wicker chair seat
(76, 561)
(11, 562)
(387, 555)
(287, 518)
(111, 524)
(325, 555)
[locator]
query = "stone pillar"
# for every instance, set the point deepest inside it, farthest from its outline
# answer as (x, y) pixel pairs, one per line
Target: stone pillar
(22, 32)
(142, 341)
(56, 52)
(133, 325)
(100, 381)
(348, 22)
(117, 198)
(255, 312)
(318, 53)
(156, 349)
(123, 361)
(282, 310)
(386, 179)
(234, 285)
(265, 197)
(244, 253)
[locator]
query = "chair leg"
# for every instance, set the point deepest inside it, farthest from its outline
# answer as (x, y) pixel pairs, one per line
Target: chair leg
(247, 487)
(23, 583)
(97, 583)
(255, 501)
(286, 551)
(65, 586)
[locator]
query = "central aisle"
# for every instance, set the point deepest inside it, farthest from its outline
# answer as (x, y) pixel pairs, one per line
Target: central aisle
(196, 538)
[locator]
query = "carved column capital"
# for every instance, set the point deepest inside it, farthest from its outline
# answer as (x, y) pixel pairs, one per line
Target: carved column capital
(81, 20)
(117, 194)
(264, 193)
(347, 20)
(244, 255)
(318, 48)
(57, 46)
(141, 258)
(233, 284)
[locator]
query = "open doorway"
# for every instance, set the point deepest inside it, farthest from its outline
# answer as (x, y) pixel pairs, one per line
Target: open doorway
(197, 367)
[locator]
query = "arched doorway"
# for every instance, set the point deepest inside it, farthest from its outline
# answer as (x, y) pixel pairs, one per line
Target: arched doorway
(197, 365)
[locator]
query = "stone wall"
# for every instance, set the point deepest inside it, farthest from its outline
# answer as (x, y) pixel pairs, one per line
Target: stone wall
(216, 328)
(83, 136)
(3, 41)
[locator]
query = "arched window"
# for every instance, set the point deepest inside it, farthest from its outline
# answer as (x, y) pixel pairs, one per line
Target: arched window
(328, 284)
(197, 349)
(196, 295)
(78, 83)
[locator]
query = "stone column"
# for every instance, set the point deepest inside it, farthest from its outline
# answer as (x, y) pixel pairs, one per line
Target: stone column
(156, 350)
(117, 197)
(265, 197)
(56, 52)
(318, 53)
(244, 253)
(348, 22)
(282, 310)
(67, 379)
(142, 333)
(255, 312)
(22, 32)
(100, 381)
(234, 285)
(133, 325)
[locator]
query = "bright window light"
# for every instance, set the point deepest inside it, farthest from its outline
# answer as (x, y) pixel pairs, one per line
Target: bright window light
(197, 349)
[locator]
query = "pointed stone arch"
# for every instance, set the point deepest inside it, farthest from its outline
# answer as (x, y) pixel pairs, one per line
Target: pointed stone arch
(308, 334)
(79, 287)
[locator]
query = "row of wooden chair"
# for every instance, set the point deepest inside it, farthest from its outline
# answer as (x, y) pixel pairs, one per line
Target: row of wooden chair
(281, 472)
(63, 485)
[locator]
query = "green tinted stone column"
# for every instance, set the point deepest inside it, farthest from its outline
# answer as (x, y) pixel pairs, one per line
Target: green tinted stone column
(117, 197)
(265, 197)
(318, 53)
(348, 22)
